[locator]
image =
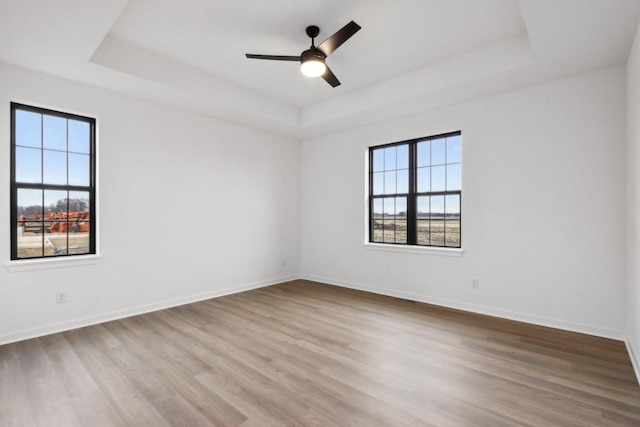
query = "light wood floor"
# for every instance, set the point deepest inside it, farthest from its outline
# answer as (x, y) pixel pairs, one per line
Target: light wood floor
(307, 354)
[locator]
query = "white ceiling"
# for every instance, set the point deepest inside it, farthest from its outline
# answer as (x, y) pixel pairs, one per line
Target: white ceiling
(410, 55)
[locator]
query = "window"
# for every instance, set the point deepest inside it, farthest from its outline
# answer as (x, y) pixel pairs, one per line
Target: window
(414, 192)
(52, 183)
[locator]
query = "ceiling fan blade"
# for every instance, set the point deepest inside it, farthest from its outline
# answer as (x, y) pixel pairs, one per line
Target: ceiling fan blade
(274, 57)
(331, 78)
(336, 40)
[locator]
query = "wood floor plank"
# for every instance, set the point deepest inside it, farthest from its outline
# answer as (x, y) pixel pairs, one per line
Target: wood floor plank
(231, 358)
(95, 410)
(125, 398)
(143, 377)
(308, 354)
(89, 403)
(15, 402)
(404, 395)
(179, 412)
(77, 381)
(49, 399)
(148, 340)
(179, 373)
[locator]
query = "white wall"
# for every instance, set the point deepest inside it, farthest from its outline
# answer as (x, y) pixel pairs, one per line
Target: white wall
(543, 207)
(633, 191)
(189, 207)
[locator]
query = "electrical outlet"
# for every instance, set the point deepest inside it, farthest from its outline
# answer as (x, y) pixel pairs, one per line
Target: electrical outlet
(475, 283)
(284, 263)
(61, 297)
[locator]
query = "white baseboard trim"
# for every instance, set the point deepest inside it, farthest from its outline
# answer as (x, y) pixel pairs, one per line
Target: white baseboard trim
(634, 360)
(134, 311)
(489, 311)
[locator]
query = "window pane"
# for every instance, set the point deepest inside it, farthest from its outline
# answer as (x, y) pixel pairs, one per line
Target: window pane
(377, 222)
(424, 153)
(57, 241)
(79, 240)
(438, 150)
(79, 169)
(423, 232)
(422, 224)
(403, 181)
(79, 137)
(79, 222)
(31, 240)
(390, 182)
(30, 204)
(437, 220)
(401, 220)
(79, 201)
(401, 230)
(389, 207)
(454, 149)
(29, 226)
(55, 202)
(389, 158)
(28, 165)
(437, 206)
(377, 227)
(401, 206)
(378, 160)
(377, 208)
(424, 180)
(438, 178)
(452, 230)
(389, 227)
(378, 183)
(423, 207)
(55, 207)
(452, 221)
(403, 156)
(28, 129)
(452, 205)
(389, 231)
(454, 181)
(54, 133)
(55, 167)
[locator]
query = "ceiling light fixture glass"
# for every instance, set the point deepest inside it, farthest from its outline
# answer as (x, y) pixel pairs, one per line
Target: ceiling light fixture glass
(312, 63)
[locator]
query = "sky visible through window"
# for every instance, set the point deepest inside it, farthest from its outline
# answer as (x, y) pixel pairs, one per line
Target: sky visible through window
(438, 164)
(44, 154)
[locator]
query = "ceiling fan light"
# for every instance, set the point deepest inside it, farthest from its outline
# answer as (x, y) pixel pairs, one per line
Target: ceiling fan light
(312, 63)
(313, 67)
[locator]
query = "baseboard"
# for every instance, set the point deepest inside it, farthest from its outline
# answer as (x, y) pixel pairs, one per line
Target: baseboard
(634, 360)
(134, 311)
(489, 311)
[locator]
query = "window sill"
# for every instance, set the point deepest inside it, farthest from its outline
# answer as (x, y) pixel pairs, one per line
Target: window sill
(424, 250)
(60, 262)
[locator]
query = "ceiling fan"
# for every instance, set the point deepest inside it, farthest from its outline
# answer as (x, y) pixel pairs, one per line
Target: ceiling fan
(312, 61)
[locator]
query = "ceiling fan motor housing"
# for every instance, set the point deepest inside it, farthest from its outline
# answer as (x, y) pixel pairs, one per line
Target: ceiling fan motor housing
(312, 54)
